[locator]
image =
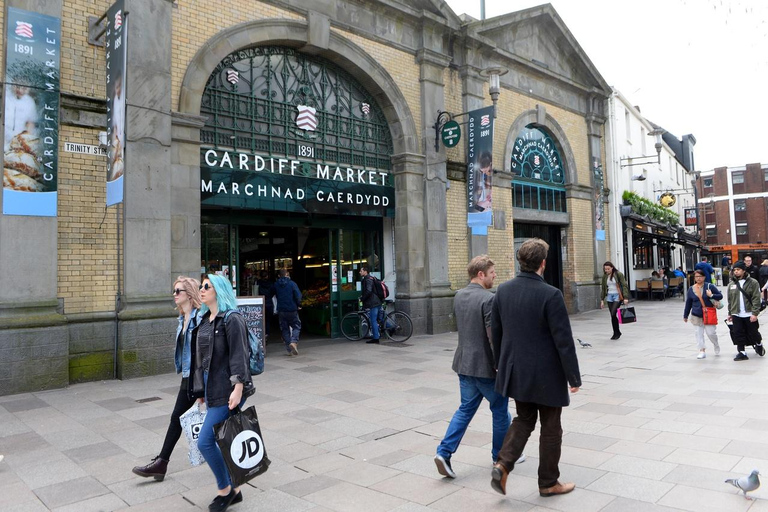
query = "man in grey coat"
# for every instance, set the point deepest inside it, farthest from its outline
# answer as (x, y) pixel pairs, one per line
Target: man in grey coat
(474, 363)
(536, 361)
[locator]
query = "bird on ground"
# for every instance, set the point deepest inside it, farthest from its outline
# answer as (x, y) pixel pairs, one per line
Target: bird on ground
(746, 483)
(583, 344)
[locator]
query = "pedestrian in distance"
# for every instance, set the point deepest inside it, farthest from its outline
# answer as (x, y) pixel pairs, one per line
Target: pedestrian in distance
(288, 305)
(706, 267)
(473, 361)
(698, 296)
(752, 270)
(743, 308)
(537, 364)
(371, 301)
(614, 292)
(186, 296)
(762, 275)
(220, 375)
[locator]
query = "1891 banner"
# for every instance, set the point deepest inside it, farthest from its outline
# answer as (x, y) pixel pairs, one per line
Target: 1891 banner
(480, 170)
(117, 32)
(30, 161)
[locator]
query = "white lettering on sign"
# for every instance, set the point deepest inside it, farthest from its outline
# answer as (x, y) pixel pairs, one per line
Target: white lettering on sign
(85, 149)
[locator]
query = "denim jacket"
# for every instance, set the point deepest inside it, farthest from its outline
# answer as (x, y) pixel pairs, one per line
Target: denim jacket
(183, 356)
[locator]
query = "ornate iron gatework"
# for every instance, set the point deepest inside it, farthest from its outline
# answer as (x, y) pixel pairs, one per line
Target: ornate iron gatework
(276, 101)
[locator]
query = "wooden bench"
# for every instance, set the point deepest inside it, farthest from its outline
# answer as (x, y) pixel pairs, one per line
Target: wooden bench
(642, 286)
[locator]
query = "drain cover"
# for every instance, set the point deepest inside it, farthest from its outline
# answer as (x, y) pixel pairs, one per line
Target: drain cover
(150, 399)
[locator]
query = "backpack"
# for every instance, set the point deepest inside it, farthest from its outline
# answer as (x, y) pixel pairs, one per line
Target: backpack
(255, 349)
(380, 288)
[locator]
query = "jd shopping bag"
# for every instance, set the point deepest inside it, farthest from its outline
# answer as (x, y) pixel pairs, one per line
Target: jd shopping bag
(626, 315)
(192, 422)
(239, 438)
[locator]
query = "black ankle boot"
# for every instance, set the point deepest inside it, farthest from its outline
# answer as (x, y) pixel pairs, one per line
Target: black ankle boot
(157, 469)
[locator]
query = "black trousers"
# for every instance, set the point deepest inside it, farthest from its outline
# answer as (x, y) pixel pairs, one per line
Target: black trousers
(744, 332)
(550, 440)
(183, 403)
(613, 307)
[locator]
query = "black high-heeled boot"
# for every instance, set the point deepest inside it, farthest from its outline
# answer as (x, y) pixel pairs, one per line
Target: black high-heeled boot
(157, 469)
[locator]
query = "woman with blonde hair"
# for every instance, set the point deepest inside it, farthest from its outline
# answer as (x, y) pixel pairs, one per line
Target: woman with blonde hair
(186, 296)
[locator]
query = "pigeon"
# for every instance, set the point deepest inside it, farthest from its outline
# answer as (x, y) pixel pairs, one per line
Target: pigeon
(746, 483)
(583, 344)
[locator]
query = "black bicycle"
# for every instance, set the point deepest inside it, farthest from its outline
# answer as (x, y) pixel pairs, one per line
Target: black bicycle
(396, 325)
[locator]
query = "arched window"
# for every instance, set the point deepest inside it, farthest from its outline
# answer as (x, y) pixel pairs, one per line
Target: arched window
(539, 176)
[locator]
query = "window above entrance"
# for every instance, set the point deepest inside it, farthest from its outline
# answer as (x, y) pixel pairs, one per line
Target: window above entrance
(539, 177)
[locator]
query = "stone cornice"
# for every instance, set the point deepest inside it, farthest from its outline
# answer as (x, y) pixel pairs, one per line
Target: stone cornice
(427, 56)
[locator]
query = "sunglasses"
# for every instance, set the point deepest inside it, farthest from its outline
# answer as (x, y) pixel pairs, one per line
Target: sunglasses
(206, 287)
(177, 291)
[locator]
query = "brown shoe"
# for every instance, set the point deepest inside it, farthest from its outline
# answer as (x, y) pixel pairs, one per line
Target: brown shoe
(499, 476)
(294, 349)
(556, 489)
(157, 469)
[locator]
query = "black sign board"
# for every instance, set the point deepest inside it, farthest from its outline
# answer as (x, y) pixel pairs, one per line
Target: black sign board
(252, 309)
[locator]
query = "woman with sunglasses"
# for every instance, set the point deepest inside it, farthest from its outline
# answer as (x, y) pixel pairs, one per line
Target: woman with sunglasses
(220, 375)
(186, 296)
(701, 295)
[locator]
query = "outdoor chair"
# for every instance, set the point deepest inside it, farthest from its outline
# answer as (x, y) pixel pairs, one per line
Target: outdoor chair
(641, 286)
(675, 286)
(657, 287)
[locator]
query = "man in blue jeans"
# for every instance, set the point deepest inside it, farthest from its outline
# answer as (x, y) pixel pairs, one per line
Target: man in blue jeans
(288, 305)
(474, 363)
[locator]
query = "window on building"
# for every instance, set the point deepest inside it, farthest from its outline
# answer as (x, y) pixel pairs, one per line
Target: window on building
(628, 126)
(642, 138)
(739, 187)
(740, 209)
(539, 182)
(738, 178)
(708, 182)
(711, 235)
(709, 215)
(642, 250)
(665, 251)
(765, 174)
(742, 234)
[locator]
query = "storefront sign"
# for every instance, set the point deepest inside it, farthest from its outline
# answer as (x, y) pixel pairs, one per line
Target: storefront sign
(450, 134)
(691, 218)
(535, 156)
(31, 114)
(480, 170)
(252, 181)
(116, 43)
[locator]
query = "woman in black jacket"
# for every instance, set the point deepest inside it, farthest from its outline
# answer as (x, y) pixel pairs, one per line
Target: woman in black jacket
(701, 292)
(220, 375)
(614, 291)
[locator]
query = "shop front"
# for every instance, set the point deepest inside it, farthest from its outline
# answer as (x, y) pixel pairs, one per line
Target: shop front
(295, 175)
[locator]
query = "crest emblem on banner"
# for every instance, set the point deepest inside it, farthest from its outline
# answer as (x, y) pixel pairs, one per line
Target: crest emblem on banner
(233, 76)
(24, 29)
(485, 120)
(118, 20)
(365, 108)
(307, 118)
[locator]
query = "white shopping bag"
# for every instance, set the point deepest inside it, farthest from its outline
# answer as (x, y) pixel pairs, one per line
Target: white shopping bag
(192, 422)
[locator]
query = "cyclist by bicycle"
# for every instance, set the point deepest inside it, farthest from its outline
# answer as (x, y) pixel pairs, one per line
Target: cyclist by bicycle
(371, 302)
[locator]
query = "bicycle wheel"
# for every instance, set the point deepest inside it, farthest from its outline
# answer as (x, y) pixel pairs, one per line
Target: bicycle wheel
(354, 326)
(398, 326)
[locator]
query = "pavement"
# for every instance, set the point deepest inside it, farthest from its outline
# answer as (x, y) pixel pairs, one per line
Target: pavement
(352, 427)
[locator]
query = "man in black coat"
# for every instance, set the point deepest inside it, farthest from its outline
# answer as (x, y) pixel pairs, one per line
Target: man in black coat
(536, 361)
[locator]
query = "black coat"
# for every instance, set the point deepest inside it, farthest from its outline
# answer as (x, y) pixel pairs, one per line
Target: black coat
(533, 343)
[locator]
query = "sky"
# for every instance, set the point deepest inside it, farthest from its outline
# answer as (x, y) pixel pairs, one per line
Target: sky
(692, 66)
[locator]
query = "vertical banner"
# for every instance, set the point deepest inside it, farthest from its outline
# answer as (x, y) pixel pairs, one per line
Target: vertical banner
(116, 36)
(480, 170)
(31, 114)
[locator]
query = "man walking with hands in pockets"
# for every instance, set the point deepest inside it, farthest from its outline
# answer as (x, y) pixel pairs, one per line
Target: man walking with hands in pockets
(473, 361)
(537, 364)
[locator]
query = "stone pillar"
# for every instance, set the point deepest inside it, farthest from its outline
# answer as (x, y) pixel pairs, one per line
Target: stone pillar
(34, 341)
(595, 123)
(439, 317)
(473, 99)
(146, 314)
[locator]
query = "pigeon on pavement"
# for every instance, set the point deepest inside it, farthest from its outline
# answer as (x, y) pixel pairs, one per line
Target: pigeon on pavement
(583, 344)
(746, 483)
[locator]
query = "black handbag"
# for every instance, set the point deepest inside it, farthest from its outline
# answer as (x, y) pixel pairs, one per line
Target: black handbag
(626, 315)
(241, 444)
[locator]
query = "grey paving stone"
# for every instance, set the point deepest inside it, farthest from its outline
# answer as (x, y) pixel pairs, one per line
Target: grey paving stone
(348, 396)
(49, 473)
(606, 408)
(21, 443)
(71, 491)
(580, 500)
(416, 488)
(321, 464)
(589, 442)
(642, 450)
(312, 369)
(346, 497)
(363, 474)
(120, 403)
(139, 490)
(272, 500)
(699, 443)
(301, 488)
(469, 499)
(632, 487)
(312, 415)
(350, 426)
(354, 362)
(174, 503)
(406, 371)
(427, 391)
(294, 452)
(28, 403)
(626, 505)
(701, 500)
(702, 459)
(97, 504)
(636, 466)
(698, 409)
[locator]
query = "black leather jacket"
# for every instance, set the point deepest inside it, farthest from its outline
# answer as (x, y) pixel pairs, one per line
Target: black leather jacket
(224, 354)
(368, 295)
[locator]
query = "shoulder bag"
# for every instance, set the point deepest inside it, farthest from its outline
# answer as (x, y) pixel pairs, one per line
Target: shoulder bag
(747, 298)
(709, 315)
(717, 303)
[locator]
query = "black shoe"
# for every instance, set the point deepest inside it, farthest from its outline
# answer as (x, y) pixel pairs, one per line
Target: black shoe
(156, 469)
(615, 336)
(238, 498)
(741, 357)
(373, 341)
(220, 503)
(760, 349)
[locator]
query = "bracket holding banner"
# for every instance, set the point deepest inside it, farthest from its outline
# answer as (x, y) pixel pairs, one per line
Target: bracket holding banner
(97, 27)
(444, 117)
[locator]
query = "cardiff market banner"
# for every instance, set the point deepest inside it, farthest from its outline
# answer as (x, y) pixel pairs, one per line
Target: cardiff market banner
(116, 38)
(31, 122)
(480, 170)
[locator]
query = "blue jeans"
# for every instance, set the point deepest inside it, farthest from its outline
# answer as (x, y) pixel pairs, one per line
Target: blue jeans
(473, 389)
(206, 441)
(290, 327)
(373, 318)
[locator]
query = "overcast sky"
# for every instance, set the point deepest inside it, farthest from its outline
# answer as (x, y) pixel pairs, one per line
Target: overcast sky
(692, 66)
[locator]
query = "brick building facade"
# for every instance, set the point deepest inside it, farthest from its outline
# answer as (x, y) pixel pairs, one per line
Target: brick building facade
(88, 291)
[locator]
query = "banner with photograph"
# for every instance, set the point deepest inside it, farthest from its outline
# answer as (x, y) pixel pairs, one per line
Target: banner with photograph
(30, 161)
(116, 36)
(480, 170)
